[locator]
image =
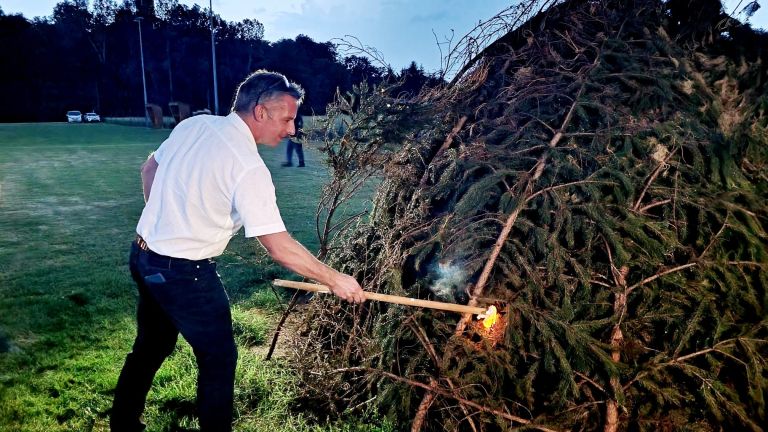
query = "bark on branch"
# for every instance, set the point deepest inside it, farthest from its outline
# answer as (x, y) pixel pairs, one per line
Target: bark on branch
(438, 391)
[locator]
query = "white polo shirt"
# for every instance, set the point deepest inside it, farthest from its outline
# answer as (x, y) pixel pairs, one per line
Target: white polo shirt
(209, 183)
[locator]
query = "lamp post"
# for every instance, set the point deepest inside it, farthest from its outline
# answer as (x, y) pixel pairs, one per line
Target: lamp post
(143, 78)
(213, 56)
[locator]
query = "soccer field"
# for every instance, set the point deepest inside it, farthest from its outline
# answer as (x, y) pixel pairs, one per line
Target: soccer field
(70, 197)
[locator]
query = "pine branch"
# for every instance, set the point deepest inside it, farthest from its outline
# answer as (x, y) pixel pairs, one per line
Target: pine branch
(539, 168)
(682, 359)
(442, 392)
(721, 344)
(644, 209)
(479, 287)
(591, 381)
(711, 242)
(565, 185)
(747, 263)
(527, 150)
(446, 144)
(652, 178)
(658, 275)
(425, 404)
(484, 276)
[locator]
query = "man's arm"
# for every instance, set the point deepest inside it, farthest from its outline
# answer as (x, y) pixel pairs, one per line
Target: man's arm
(292, 255)
(148, 170)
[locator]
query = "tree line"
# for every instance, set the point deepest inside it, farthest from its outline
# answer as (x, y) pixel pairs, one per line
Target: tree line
(87, 57)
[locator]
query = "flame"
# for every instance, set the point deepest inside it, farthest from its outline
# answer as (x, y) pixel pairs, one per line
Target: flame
(491, 316)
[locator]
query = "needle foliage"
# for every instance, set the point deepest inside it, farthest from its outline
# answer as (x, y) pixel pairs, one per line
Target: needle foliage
(600, 171)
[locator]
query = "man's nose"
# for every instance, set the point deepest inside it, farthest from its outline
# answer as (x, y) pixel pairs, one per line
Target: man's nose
(292, 130)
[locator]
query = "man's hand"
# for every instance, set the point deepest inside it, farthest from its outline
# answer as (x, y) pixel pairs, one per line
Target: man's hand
(347, 288)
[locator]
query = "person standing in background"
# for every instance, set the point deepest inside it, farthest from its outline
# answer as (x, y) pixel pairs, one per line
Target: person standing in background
(295, 143)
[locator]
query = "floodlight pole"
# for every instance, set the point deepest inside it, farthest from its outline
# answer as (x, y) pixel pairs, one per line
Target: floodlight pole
(143, 78)
(213, 56)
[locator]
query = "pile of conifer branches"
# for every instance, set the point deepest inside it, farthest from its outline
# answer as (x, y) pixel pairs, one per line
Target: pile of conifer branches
(601, 172)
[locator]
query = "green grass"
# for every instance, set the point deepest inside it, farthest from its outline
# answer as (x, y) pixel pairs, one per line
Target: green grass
(70, 197)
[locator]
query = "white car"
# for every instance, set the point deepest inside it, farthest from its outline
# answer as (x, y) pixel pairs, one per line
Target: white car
(92, 117)
(74, 117)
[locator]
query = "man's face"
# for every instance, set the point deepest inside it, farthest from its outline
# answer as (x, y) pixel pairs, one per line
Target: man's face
(275, 119)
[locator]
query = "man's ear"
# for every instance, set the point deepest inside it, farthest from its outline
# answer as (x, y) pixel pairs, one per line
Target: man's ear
(258, 112)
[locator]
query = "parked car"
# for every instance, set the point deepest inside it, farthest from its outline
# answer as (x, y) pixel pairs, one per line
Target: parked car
(74, 117)
(92, 117)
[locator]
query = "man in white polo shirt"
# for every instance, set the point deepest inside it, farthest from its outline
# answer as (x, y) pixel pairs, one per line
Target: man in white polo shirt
(202, 185)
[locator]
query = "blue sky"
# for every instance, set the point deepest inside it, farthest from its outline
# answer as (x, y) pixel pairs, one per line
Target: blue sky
(402, 30)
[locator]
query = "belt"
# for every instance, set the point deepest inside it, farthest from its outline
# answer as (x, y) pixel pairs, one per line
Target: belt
(173, 262)
(141, 243)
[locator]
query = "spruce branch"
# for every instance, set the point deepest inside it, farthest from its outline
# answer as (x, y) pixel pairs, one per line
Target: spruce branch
(652, 178)
(747, 263)
(424, 339)
(434, 388)
(611, 423)
(567, 185)
(528, 149)
(717, 348)
(591, 381)
(644, 209)
(661, 274)
(715, 237)
(424, 405)
(446, 144)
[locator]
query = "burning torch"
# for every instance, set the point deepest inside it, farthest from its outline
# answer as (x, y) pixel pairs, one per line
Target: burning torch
(489, 316)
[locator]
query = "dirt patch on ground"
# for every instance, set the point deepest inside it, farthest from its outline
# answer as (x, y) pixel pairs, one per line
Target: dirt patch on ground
(288, 338)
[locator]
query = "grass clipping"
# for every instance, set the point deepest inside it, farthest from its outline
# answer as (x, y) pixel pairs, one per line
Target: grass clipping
(599, 172)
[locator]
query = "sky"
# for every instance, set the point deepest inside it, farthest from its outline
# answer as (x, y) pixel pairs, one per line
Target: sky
(401, 30)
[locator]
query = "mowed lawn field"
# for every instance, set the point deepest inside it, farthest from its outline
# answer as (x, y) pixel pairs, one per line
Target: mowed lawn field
(70, 197)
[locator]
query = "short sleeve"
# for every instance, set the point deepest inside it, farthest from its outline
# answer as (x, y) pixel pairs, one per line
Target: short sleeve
(158, 154)
(179, 134)
(255, 202)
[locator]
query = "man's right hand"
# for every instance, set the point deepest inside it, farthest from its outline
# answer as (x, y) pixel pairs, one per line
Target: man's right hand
(347, 288)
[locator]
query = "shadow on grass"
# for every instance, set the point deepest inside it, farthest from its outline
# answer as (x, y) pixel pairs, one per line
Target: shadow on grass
(180, 411)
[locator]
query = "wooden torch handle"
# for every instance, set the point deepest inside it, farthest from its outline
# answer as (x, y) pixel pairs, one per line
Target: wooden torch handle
(453, 307)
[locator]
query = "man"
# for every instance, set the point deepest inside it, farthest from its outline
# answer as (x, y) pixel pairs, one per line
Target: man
(294, 143)
(201, 185)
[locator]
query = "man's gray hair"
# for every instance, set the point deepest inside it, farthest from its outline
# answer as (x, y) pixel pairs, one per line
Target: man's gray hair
(261, 86)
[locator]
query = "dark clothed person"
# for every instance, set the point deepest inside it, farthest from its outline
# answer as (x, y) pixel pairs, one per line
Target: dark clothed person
(295, 143)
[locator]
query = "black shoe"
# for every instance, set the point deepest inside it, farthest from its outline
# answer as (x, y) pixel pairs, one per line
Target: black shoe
(301, 165)
(286, 164)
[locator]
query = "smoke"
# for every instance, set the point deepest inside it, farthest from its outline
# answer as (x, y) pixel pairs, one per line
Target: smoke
(450, 278)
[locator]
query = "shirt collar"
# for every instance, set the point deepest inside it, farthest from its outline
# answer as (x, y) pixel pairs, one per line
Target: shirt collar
(241, 126)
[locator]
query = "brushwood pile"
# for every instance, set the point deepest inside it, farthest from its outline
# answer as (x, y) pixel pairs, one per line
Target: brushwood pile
(600, 174)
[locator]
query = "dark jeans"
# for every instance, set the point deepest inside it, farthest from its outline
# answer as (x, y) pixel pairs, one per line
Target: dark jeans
(294, 145)
(178, 296)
